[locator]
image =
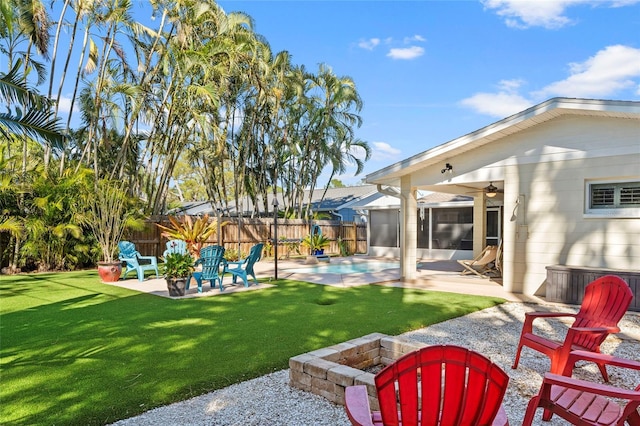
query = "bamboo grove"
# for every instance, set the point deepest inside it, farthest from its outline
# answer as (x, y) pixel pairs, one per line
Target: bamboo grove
(191, 104)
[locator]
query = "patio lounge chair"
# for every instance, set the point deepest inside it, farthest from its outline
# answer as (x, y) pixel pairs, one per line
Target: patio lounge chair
(586, 403)
(605, 302)
(175, 246)
(484, 264)
(135, 261)
(435, 385)
(210, 259)
(243, 268)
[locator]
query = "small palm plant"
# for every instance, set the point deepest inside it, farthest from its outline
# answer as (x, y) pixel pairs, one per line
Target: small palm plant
(194, 232)
(109, 217)
(315, 242)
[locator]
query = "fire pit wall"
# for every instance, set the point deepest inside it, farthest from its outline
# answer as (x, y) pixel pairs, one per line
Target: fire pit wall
(328, 371)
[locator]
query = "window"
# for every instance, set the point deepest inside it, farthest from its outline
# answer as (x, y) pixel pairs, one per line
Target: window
(617, 199)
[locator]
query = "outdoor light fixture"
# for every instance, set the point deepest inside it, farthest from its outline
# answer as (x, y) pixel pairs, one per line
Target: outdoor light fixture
(491, 190)
(447, 168)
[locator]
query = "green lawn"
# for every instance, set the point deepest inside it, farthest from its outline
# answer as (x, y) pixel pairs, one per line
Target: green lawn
(76, 351)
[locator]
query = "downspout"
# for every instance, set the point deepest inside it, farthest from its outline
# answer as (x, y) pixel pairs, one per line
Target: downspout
(388, 191)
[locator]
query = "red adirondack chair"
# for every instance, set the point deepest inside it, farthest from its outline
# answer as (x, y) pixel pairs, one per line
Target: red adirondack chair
(586, 403)
(436, 385)
(605, 302)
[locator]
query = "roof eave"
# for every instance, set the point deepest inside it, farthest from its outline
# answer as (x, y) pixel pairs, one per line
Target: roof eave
(535, 115)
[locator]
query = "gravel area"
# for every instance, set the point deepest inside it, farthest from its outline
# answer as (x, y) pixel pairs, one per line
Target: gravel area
(494, 332)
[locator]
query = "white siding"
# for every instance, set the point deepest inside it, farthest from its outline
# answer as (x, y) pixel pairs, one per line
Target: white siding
(546, 168)
(555, 162)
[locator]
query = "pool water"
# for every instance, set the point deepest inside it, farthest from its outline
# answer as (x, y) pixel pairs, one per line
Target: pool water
(346, 268)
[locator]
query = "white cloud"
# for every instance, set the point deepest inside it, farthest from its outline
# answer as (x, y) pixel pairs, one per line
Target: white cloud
(382, 151)
(406, 53)
(609, 71)
(64, 105)
(416, 37)
(501, 104)
(497, 104)
(547, 14)
(369, 44)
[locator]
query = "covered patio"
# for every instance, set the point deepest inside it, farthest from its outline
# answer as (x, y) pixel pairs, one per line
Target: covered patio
(546, 169)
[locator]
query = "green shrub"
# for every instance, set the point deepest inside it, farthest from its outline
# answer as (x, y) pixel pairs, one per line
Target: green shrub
(177, 265)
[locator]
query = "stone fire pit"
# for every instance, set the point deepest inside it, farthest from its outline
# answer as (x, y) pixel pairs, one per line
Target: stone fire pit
(328, 371)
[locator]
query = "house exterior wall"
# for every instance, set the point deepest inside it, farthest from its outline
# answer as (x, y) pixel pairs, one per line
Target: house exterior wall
(544, 158)
(545, 170)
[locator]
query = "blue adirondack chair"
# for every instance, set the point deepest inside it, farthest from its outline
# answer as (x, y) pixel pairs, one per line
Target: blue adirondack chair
(244, 267)
(175, 246)
(210, 259)
(135, 261)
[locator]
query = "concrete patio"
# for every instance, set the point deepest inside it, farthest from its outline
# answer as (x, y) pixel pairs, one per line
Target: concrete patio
(437, 275)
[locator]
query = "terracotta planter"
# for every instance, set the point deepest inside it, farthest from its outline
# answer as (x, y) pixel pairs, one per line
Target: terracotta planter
(176, 286)
(109, 271)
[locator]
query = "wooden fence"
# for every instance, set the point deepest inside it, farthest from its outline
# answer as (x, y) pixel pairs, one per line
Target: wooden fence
(241, 234)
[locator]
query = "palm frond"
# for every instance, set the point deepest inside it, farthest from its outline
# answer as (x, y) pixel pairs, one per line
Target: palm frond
(34, 23)
(11, 225)
(92, 61)
(39, 125)
(13, 88)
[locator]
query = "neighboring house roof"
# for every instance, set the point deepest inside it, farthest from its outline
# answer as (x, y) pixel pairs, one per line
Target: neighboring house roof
(195, 208)
(340, 198)
(533, 116)
(335, 199)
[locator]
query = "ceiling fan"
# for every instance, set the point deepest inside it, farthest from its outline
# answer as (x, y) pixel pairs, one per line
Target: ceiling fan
(491, 190)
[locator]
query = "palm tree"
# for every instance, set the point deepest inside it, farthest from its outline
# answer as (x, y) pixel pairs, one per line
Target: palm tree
(54, 233)
(34, 117)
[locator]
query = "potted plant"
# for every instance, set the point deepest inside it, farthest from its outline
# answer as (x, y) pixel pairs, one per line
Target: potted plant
(108, 216)
(194, 232)
(177, 269)
(316, 244)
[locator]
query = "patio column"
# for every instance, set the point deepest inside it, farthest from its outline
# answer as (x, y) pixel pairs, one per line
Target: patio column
(479, 223)
(408, 229)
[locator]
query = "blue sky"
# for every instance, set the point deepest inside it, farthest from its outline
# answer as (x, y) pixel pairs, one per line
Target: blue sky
(431, 71)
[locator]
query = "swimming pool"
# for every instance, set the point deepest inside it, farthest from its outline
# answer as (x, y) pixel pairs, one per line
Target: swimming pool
(346, 268)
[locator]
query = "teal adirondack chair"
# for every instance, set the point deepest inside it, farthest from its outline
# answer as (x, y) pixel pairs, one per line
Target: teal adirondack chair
(210, 259)
(244, 267)
(175, 246)
(135, 261)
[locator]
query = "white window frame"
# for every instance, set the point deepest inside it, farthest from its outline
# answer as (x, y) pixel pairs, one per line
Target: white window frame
(632, 212)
